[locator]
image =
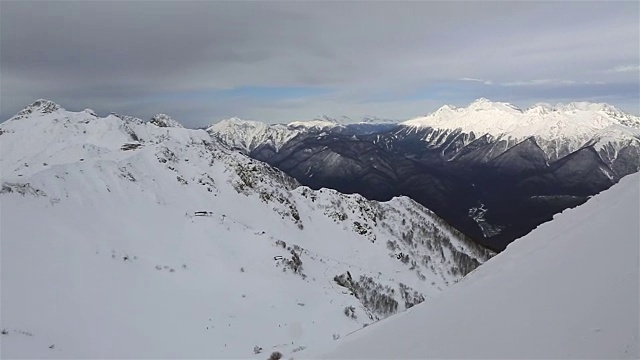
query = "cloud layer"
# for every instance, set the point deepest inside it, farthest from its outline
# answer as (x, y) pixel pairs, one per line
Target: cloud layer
(283, 61)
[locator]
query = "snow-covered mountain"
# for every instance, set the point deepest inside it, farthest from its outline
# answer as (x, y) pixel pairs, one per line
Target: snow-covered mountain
(492, 170)
(326, 122)
(322, 122)
(247, 135)
(558, 130)
(164, 120)
(131, 239)
(569, 289)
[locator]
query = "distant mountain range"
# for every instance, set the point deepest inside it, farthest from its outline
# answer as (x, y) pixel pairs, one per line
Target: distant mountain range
(114, 227)
(491, 169)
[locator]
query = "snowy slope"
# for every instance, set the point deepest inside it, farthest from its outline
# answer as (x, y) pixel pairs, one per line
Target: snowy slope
(569, 289)
(558, 130)
(124, 239)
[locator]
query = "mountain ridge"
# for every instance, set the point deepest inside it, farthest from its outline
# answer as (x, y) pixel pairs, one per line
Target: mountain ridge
(455, 171)
(140, 226)
(576, 122)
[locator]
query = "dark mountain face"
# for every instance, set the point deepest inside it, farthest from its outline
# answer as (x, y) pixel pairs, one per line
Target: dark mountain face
(492, 191)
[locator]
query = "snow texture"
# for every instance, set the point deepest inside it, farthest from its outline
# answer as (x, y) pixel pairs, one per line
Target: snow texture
(124, 239)
(246, 135)
(567, 127)
(558, 130)
(569, 289)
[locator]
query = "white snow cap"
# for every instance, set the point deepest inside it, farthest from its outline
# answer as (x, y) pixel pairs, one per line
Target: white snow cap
(544, 121)
(321, 122)
(233, 122)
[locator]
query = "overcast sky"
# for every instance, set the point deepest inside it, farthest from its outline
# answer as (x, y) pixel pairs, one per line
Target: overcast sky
(282, 61)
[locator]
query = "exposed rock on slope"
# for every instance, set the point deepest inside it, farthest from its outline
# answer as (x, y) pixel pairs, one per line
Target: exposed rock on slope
(569, 289)
(520, 166)
(125, 239)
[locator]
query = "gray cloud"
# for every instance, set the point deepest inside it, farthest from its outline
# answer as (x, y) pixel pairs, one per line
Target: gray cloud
(625, 68)
(192, 59)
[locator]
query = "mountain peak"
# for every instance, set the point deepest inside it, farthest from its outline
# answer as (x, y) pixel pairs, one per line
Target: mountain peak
(376, 120)
(238, 121)
(164, 120)
(481, 100)
(320, 122)
(584, 109)
(577, 120)
(128, 118)
(235, 123)
(575, 106)
(483, 104)
(444, 109)
(325, 121)
(587, 106)
(41, 106)
(45, 106)
(342, 120)
(234, 119)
